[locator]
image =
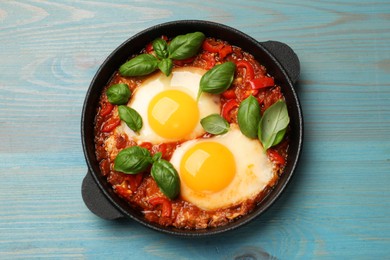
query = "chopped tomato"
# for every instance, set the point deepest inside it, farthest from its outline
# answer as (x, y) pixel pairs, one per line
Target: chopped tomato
(134, 180)
(226, 50)
(122, 191)
(105, 167)
(166, 150)
(261, 95)
(276, 157)
(209, 59)
(227, 107)
(106, 109)
(147, 145)
(162, 148)
(183, 62)
(260, 99)
(166, 206)
(121, 142)
(262, 82)
(110, 124)
(248, 92)
(249, 71)
(272, 96)
(149, 47)
(229, 94)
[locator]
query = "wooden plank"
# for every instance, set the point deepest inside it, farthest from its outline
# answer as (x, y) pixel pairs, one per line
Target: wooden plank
(337, 205)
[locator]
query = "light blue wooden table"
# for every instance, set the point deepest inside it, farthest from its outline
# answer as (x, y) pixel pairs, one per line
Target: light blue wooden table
(338, 204)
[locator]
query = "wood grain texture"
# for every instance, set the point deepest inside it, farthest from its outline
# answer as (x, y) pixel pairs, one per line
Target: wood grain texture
(338, 204)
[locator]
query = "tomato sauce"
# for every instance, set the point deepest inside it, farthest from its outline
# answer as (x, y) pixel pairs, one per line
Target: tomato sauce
(140, 190)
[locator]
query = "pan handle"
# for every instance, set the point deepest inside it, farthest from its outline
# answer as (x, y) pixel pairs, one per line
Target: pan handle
(286, 56)
(95, 200)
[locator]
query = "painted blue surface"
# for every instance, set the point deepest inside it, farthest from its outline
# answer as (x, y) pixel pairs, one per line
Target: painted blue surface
(337, 205)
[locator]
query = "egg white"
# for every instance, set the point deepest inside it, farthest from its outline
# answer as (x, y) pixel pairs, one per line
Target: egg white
(253, 171)
(185, 79)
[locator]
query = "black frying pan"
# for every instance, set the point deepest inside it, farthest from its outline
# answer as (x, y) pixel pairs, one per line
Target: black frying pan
(280, 61)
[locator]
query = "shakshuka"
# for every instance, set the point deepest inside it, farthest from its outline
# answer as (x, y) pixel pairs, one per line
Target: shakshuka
(192, 131)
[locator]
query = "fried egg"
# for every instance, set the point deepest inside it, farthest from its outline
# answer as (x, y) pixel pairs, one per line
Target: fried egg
(169, 109)
(222, 171)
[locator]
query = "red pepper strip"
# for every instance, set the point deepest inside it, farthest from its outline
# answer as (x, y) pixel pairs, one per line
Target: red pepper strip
(166, 209)
(210, 60)
(249, 71)
(229, 94)
(207, 46)
(226, 50)
(262, 82)
(182, 62)
(276, 157)
(106, 109)
(227, 107)
(111, 124)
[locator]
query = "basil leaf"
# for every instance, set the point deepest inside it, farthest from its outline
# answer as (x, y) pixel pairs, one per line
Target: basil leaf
(166, 178)
(279, 137)
(275, 120)
(215, 124)
(131, 118)
(157, 157)
(185, 46)
(166, 66)
(248, 117)
(160, 47)
(132, 160)
(218, 79)
(118, 94)
(141, 65)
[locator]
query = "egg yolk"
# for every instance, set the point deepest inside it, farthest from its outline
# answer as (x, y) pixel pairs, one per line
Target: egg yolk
(173, 114)
(207, 167)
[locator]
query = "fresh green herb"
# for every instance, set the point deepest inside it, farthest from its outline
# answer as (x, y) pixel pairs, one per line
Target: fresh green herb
(137, 159)
(141, 65)
(166, 178)
(160, 47)
(215, 124)
(166, 65)
(218, 79)
(185, 46)
(180, 48)
(248, 117)
(131, 118)
(273, 124)
(157, 156)
(118, 94)
(279, 136)
(132, 160)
